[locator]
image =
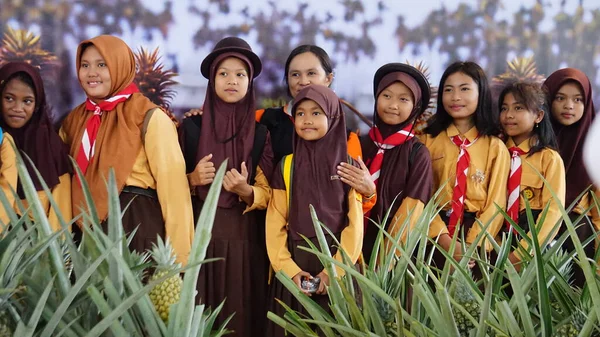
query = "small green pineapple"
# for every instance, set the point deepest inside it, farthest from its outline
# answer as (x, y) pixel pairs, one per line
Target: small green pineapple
(387, 314)
(575, 324)
(5, 327)
(168, 292)
(138, 263)
(465, 297)
(567, 330)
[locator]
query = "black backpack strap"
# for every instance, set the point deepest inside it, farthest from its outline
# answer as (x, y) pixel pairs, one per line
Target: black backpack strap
(260, 138)
(269, 118)
(413, 152)
(191, 127)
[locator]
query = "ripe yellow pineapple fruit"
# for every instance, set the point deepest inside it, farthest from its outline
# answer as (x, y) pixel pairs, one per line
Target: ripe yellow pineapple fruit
(168, 292)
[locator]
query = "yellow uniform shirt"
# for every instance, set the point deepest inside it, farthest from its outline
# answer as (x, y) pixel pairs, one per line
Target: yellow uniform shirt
(160, 166)
(587, 201)
(8, 176)
(277, 233)
(486, 178)
(548, 164)
(261, 191)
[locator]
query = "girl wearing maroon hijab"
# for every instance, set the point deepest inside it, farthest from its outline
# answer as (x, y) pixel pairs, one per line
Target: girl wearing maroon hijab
(319, 147)
(572, 113)
(25, 116)
(399, 163)
(227, 132)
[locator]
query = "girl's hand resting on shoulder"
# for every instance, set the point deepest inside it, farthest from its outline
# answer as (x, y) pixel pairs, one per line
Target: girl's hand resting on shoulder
(357, 178)
(193, 112)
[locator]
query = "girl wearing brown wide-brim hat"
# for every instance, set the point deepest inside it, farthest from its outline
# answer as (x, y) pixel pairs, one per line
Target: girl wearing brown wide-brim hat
(227, 131)
(119, 128)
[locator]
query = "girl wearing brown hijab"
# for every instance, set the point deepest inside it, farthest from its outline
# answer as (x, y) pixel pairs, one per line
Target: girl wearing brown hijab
(25, 116)
(400, 164)
(227, 132)
(319, 147)
(572, 113)
(117, 127)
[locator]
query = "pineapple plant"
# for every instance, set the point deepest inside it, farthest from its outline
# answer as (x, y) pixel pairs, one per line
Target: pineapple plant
(106, 295)
(5, 326)
(138, 263)
(521, 69)
(168, 292)
(387, 314)
(465, 297)
(22, 45)
(154, 81)
(575, 322)
(421, 122)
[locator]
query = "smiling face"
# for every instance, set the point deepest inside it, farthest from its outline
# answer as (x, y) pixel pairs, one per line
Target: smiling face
(517, 121)
(18, 103)
(231, 80)
(94, 76)
(460, 96)
(567, 105)
(395, 104)
(306, 69)
(310, 121)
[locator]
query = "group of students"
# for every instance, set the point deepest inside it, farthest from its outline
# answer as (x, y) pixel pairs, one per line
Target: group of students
(280, 161)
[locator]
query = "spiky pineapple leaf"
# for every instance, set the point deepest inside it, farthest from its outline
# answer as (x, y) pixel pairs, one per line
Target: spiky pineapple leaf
(23, 45)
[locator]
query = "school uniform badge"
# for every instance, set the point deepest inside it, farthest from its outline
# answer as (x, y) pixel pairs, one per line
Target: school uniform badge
(478, 176)
(528, 193)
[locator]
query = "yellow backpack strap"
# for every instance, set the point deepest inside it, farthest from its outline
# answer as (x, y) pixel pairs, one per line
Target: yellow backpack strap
(287, 168)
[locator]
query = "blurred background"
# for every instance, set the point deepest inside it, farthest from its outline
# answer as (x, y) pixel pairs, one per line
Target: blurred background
(511, 39)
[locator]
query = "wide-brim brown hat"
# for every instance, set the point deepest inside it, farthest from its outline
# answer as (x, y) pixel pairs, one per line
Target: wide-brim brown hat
(231, 44)
(410, 70)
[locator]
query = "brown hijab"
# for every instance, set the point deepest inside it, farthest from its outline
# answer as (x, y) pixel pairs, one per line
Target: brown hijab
(395, 171)
(315, 181)
(37, 139)
(227, 129)
(411, 83)
(119, 139)
(571, 138)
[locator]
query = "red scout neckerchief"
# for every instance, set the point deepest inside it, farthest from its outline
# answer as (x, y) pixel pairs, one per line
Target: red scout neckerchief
(514, 183)
(395, 139)
(88, 142)
(460, 186)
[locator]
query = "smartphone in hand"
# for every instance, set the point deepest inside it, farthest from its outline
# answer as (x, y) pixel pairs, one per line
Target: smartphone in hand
(310, 285)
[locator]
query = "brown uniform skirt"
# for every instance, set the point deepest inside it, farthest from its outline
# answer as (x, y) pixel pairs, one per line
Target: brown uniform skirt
(585, 230)
(309, 263)
(142, 211)
(240, 278)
